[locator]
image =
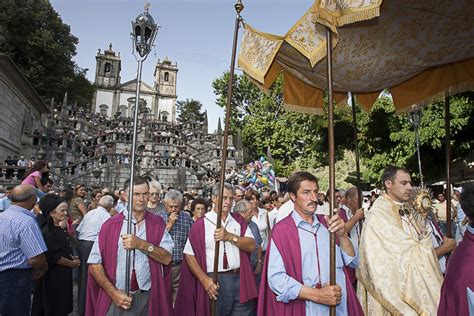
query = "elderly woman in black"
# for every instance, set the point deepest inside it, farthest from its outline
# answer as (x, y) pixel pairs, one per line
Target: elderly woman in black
(53, 292)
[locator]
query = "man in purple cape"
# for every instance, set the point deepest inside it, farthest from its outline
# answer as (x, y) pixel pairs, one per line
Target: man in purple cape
(237, 287)
(458, 286)
(151, 247)
(290, 288)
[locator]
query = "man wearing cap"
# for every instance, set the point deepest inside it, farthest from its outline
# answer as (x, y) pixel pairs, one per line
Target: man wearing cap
(151, 247)
(22, 250)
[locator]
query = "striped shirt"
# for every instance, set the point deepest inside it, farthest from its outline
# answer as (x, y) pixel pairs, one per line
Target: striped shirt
(142, 267)
(20, 238)
(179, 233)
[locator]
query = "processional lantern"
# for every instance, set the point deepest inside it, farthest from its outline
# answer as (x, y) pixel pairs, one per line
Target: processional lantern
(144, 31)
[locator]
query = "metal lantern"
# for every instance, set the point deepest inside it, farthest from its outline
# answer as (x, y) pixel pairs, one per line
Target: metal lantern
(144, 30)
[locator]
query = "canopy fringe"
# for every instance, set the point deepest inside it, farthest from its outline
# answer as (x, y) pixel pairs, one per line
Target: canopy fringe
(460, 88)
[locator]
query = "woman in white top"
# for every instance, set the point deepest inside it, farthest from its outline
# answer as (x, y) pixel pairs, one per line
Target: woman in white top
(260, 216)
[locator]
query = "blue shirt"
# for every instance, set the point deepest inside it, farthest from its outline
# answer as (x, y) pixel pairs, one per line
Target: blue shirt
(258, 242)
(90, 225)
(121, 206)
(142, 267)
(4, 203)
(287, 288)
(179, 233)
(20, 238)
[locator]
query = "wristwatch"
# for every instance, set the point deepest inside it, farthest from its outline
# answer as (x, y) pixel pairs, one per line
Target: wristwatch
(150, 248)
(235, 239)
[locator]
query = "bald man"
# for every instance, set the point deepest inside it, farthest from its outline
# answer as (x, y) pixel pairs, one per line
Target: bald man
(22, 250)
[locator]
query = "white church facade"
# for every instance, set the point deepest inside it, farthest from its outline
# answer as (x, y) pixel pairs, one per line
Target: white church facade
(113, 96)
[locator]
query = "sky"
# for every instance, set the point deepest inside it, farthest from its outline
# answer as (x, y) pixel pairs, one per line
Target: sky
(197, 34)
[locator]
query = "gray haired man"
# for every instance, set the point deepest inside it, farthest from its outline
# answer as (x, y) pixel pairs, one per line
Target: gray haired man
(178, 224)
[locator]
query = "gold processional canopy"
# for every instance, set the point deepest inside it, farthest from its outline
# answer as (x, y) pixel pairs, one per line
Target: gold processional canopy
(416, 49)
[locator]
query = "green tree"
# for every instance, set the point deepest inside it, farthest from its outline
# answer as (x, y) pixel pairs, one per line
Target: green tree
(386, 138)
(189, 111)
(37, 40)
(295, 140)
(80, 89)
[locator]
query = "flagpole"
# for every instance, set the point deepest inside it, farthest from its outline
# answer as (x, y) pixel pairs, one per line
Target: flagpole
(238, 19)
(332, 175)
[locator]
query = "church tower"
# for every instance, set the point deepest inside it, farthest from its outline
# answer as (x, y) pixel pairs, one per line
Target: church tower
(166, 75)
(107, 70)
(107, 81)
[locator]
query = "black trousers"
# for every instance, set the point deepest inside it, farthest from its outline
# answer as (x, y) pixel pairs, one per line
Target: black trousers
(84, 249)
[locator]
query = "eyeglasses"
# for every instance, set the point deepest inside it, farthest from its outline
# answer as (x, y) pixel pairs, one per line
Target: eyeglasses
(239, 195)
(154, 193)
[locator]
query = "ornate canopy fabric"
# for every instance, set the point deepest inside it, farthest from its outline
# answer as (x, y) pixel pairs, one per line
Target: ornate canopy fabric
(416, 49)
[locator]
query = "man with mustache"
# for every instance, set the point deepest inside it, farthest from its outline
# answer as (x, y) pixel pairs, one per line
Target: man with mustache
(398, 272)
(296, 271)
(151, 247)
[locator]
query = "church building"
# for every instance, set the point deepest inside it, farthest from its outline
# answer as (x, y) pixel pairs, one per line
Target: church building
(113, 96)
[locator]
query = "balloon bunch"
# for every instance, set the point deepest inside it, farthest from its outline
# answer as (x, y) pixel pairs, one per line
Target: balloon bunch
(257, 175)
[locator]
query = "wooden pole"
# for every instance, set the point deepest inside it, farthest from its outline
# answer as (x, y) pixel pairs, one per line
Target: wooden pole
(356, 148)
(447, 145)
(332, 174)
(238, 8)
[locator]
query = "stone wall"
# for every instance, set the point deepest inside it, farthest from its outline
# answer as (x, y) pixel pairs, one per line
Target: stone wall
(21, 108)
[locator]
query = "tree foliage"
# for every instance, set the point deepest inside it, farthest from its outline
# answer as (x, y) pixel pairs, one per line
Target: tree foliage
(189, 111)
(37, 40)
(386, 138)
(300, 141)
(295, 140)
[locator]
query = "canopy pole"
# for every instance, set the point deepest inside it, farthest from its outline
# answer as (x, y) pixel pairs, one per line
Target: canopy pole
(238, 8)
(132, 172)
(447, 145)
(356, 147)
(332, 175)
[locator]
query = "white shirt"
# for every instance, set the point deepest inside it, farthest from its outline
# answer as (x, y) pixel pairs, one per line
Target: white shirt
(284, 210)
(437, 241)
(354, 234)
(262, 223)
(91, 223)
(232, 251)
(272, 216)
(323, 209)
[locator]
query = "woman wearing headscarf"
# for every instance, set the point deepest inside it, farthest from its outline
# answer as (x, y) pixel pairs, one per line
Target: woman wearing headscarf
(53, 294)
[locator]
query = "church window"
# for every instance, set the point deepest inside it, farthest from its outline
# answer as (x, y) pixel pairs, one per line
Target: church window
(107, 68)
(167, 77)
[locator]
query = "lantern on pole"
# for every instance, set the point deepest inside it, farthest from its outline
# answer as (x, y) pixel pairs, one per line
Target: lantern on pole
(144, 30)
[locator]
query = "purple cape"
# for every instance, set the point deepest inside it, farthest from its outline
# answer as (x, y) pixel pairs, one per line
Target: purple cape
(286, 238)
(98, 302)
(192, 298)
(459, 275)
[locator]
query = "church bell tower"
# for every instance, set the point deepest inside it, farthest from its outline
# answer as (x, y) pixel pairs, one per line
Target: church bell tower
(107, 70)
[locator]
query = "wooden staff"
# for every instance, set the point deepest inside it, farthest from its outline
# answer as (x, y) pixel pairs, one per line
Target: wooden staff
(447, 145)
(332, 174)
(238, 8)
(356, 149)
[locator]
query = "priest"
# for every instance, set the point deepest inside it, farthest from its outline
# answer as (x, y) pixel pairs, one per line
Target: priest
(398, 271)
